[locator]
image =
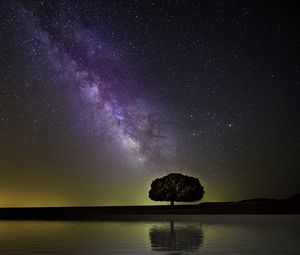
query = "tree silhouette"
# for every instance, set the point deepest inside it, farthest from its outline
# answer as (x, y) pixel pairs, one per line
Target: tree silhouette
(176, 187)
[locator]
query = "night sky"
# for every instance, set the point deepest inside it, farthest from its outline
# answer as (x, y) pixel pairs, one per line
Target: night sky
(99, 98)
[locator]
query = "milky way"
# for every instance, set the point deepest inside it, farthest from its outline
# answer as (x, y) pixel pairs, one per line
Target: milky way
(93, 71)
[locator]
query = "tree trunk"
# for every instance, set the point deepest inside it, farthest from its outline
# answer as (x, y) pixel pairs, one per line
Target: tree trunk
(172, 226)
(172, 203)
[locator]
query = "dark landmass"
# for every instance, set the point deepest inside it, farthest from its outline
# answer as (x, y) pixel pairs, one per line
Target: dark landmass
(261, 199)
(295, 197)
(290, 205)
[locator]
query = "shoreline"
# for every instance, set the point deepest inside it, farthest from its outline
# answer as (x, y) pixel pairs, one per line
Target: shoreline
(278, 207)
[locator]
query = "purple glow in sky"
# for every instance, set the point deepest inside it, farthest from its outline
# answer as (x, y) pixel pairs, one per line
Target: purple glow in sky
(92, 73)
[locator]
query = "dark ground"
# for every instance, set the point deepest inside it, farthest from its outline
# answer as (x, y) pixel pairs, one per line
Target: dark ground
(251, 206)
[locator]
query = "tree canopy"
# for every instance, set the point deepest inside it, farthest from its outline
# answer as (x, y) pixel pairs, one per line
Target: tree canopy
(176, 187)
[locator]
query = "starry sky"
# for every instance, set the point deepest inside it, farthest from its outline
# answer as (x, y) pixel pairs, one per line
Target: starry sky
(99, 98)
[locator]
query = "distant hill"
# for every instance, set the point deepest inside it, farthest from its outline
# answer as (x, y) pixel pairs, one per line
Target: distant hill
(295, 197)
(261, 199)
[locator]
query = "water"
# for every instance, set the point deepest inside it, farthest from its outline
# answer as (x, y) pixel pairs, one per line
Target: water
(181, 235)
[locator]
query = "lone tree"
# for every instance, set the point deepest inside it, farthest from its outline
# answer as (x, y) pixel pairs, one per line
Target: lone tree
(176, 187)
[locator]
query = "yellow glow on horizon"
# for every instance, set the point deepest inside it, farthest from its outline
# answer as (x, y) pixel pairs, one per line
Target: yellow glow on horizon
(114, 192)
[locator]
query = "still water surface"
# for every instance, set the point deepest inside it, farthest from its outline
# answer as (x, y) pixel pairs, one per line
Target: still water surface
(182, 235)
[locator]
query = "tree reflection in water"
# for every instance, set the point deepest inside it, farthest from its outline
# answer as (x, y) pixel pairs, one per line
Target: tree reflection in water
(176, 237)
